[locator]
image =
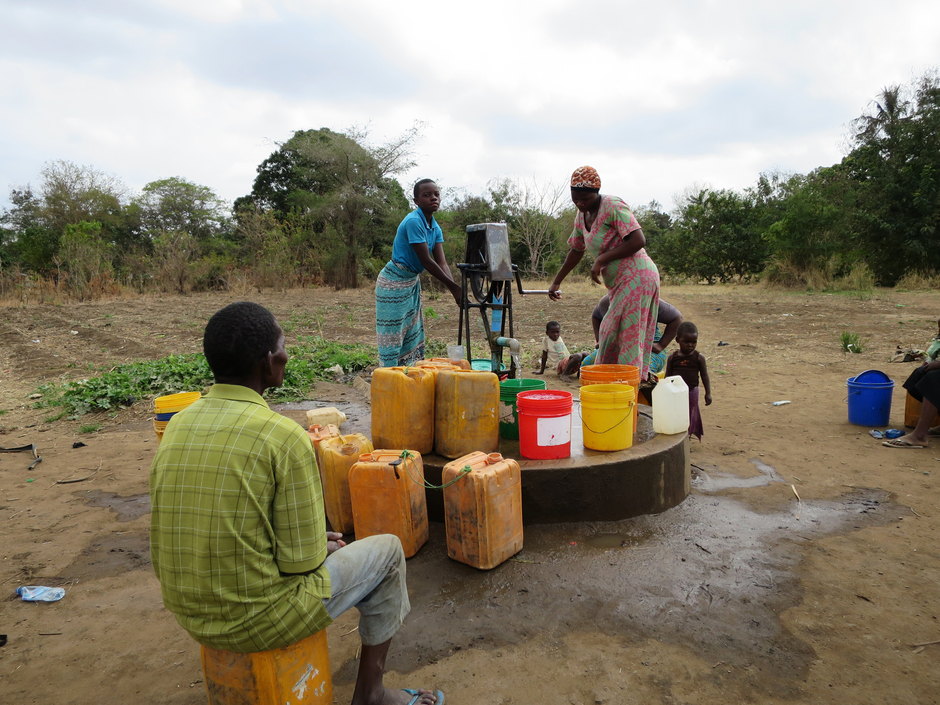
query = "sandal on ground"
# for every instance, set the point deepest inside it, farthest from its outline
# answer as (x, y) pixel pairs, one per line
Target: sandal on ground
(438, 696)
(901, 443)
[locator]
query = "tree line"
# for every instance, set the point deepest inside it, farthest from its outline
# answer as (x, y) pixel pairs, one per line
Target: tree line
(324, 207)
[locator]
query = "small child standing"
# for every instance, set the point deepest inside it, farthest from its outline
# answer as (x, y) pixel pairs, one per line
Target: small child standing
(689, 363)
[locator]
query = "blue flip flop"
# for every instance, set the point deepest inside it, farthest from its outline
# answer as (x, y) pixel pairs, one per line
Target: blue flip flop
(438, 696)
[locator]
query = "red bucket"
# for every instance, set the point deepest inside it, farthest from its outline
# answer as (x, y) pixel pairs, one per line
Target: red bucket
(544, 424)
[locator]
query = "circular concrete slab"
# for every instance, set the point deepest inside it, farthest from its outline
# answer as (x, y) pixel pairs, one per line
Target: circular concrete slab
(650, 477)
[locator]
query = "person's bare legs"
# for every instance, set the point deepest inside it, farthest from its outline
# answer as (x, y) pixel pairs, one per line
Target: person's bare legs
(572, 368)
(927, 412)
(369, 687)
(917, 437)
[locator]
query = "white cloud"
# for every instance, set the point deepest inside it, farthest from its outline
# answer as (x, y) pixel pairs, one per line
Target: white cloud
(656, 96)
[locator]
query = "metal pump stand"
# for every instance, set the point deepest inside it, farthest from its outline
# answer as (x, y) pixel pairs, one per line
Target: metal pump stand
(487, 275)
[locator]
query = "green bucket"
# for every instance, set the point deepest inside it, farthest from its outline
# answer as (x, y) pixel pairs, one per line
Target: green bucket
(508, 414)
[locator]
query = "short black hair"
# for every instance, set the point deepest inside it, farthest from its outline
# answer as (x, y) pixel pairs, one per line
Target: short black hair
(552, 323)
(237, 337)
(686, 327)
(422, 183)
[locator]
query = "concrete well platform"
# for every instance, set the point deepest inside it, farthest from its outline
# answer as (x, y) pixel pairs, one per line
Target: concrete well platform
(650, 477)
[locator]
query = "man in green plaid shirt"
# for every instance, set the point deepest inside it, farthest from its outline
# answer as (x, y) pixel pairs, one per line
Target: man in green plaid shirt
(238, 536)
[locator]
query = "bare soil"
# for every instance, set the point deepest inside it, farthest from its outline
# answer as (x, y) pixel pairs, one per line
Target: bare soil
(802, 568)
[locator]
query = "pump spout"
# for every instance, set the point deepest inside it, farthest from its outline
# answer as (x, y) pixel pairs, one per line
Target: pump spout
(515, 354)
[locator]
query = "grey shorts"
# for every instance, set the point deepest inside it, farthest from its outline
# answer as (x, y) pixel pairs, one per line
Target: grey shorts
(369, 574)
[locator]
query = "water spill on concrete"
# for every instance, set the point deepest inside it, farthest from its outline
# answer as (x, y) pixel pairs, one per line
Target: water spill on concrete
(357, 410)
(711, 574)
(127, 508)
(619, 540)
(712, 480)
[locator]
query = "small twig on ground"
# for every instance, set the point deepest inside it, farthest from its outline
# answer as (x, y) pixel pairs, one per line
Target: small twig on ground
(354, 629)
(920, 647)
(50, 633)
(704, 549)
(80, 479)
(913, 512)
(862, 597)
(800, 512)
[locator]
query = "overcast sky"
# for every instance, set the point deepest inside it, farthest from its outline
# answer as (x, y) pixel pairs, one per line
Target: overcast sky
(658, 96)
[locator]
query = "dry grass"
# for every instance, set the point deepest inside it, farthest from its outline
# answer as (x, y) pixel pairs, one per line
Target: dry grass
(919, 281)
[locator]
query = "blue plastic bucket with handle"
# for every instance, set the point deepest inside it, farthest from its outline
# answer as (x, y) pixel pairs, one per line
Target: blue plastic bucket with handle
(870, 398)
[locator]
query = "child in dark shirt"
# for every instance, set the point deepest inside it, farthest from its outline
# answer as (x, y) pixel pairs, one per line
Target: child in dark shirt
(689, 363)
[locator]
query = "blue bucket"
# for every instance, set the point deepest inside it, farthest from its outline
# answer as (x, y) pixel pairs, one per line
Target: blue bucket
(870, 398)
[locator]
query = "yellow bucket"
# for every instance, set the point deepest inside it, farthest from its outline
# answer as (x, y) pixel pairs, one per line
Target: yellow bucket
(171, 403)
(607, 416)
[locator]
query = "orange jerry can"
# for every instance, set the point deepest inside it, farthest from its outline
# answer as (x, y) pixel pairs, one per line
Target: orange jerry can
(299, 673)
(483, 509)
(337, 456)
(318, 434)
(387, 493)
(466, 413)
(462, 364)
(403, 408)
(436, 365)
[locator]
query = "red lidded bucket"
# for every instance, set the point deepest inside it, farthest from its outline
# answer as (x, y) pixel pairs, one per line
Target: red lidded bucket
(544, 424)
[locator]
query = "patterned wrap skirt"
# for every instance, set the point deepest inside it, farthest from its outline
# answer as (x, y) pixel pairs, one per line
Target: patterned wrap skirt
(399, 324)
(627, 331)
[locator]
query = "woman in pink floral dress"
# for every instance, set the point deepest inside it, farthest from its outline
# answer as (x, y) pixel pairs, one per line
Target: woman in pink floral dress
(606, 229)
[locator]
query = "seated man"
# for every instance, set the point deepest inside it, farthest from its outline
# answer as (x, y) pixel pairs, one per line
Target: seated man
(238, 537)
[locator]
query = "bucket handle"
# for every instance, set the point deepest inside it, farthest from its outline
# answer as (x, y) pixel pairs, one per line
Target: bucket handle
(601, 433)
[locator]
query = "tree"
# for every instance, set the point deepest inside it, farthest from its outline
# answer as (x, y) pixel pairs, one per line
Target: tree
(72, 194)
(178, 205)
(87, 258)
(342, 186)
(895, 160)
(535, 225)
(68, 194)
(717, 237)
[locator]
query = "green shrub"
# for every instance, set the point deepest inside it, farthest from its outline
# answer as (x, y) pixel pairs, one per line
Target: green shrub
(123, 385)
(850, 342)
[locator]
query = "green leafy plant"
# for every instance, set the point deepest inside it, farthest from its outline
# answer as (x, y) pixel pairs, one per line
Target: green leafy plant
(430, 313)
(55, 417)
(123, 385)
(435, 348)
(89, 428)
(850, 342)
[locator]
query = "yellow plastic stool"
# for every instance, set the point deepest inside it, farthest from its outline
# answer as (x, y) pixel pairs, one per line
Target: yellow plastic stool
(298, 674)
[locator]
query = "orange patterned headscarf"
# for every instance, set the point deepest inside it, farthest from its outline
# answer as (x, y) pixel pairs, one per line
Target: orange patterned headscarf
(586, 177)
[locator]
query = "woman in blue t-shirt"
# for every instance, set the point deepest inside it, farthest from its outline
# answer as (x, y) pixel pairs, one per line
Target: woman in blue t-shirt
(418, 246)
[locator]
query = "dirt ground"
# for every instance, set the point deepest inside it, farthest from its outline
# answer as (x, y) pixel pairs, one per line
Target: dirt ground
(802, 568)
